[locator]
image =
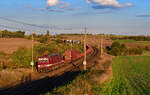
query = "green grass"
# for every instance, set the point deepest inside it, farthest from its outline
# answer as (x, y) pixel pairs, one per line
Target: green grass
(125, 40)
(131, 76)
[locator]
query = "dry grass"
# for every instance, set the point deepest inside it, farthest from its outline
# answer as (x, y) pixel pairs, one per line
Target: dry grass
(10, 77)
(10, 45)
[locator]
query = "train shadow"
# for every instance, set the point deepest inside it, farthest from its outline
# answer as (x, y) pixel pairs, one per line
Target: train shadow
(38, 87)
(76, 66)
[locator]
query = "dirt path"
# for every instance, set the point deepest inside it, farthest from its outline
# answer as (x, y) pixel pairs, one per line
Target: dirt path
(105, 64)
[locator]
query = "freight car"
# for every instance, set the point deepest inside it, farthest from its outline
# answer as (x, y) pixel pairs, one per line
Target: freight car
(72, 41)
(51, 62)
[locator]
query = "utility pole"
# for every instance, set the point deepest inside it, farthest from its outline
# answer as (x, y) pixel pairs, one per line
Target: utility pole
(84, 62)
(71, 51)
(32, 63)
(101, 45)
(98, 43)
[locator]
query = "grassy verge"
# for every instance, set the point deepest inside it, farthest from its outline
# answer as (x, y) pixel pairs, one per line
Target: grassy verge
(131, 76)
(82, 84)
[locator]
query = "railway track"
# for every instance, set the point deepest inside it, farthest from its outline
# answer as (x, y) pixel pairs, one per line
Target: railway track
(52, 79)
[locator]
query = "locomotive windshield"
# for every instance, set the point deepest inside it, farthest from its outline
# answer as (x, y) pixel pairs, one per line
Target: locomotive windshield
(43, 60)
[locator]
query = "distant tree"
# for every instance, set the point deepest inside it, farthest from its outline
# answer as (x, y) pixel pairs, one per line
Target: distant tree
(48, 33)
(115, 51)
(17, 34)
(123, 49)
(115, 44)
(43, 39)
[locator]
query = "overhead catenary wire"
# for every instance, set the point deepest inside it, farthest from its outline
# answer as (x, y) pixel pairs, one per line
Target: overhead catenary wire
(54, 27)
(20, 22)
(18, 28)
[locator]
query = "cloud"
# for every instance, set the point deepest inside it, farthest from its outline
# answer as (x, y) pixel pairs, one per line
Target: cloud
(143, 15)
(109, 4)
(62, 7)
(52, 2)
(88, 1)
(43, 9)
(67, 6)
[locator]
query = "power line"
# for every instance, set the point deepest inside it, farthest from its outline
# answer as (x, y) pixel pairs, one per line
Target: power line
(17, 28)
(20, 22)
(61, 27)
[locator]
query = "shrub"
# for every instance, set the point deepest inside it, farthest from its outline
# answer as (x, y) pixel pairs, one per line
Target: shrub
(58, 41)
(43, 39)
(47, 47)
(115, 51)
(22, 57)
(118, 49)
(2, 60)
(115, 44)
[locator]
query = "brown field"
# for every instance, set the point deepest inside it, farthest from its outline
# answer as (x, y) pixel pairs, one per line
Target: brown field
(136, 45)
(10, 45)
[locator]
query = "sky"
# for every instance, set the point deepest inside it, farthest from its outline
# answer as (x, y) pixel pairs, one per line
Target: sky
(126, 17)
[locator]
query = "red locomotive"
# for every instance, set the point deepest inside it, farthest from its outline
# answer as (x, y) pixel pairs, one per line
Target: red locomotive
(50, 62)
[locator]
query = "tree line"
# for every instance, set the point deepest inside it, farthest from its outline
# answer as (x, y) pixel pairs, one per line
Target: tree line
(20, 34)
(136, 38)
(8, 34)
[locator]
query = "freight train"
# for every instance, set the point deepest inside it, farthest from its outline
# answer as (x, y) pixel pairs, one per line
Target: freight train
(51, 62)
